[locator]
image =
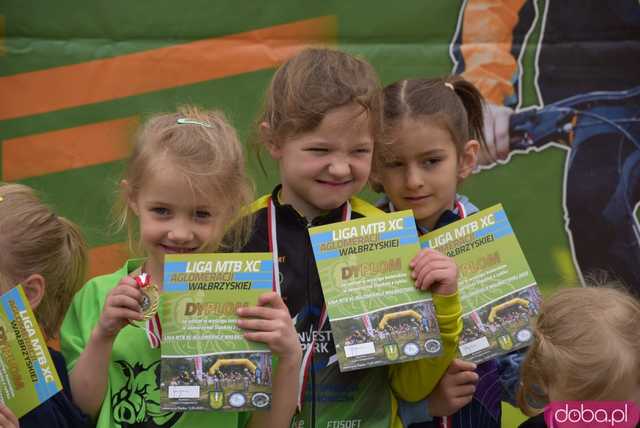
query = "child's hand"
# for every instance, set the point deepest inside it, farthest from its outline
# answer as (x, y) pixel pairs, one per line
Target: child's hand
(454, 390)
(122, 304)
(435, 271)
(7, 418)
(269, 322)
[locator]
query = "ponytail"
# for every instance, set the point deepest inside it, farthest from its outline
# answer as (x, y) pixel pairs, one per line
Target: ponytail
(473, 104)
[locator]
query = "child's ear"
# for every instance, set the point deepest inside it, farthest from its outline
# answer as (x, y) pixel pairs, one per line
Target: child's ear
(272, 147)
(34, 288)
(468, 159)
(131, 200)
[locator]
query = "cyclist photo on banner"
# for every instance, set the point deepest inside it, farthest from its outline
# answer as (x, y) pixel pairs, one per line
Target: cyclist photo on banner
(588, 103)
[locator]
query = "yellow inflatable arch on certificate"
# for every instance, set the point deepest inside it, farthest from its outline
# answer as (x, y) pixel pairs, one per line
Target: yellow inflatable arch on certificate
(501, 306)
(232, 362)
(395, 315)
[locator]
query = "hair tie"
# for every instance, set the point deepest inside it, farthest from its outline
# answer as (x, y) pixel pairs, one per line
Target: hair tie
(187, 121)
(449, 85)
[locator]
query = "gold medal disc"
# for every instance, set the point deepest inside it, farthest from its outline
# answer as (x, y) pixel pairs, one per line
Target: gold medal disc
(150, 301)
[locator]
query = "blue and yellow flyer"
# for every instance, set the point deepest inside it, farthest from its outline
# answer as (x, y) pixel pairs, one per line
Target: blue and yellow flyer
(206, 362)
(27, 374)
(499, 295)
(377, 316)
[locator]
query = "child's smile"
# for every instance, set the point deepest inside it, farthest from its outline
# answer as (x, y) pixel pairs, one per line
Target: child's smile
(174, 218)
(321, 169)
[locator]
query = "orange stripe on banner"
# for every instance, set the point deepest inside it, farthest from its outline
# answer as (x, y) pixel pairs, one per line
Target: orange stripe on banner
(68, 86)
(107, 259)
(57, 151)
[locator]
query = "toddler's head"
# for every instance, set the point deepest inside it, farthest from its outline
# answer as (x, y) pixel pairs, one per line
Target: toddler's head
(586, 347)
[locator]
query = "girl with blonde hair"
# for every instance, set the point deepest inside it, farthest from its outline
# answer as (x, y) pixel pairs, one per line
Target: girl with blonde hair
(586, 347)
(47, 255)
(182, 189)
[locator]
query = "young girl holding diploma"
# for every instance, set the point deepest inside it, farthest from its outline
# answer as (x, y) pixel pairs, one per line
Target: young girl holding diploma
(433, 133)
(322, 115)
(183, 186)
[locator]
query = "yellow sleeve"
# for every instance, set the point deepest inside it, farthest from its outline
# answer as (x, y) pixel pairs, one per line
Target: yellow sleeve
(487, 36)
(414, 380)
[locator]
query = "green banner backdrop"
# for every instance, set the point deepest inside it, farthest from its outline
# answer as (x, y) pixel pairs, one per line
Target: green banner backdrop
(76, 77)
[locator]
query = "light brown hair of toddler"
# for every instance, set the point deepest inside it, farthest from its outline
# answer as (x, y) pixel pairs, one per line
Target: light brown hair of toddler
(450, 102)
(586, 346)
(34, 240)
(205, 149)
(305, 88)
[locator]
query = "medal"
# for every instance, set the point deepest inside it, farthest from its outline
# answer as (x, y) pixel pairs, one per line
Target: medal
(150, 296)
(149, 308)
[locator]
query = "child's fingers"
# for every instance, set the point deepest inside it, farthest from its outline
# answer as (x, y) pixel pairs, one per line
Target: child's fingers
(122, 301)
(428, 254)
(464, 391)
(267, 337)
(459, 365)
(465, 378)
(260, 325)
(126, 290)
(119, 313)
(129, 281)
(271, 299)
(430, 264)
(263, 312)
(7, 418)
(428, 277)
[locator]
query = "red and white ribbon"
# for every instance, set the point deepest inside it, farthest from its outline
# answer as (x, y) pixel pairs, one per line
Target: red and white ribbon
(305, 366)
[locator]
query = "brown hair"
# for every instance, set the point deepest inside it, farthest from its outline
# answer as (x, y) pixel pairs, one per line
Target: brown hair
(305, 88)
(203, 147)
(452, 102)
(591, 336)
(34, 240)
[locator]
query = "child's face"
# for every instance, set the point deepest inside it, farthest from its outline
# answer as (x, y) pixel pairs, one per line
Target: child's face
(320, 170)
(173, 217)
(423, 169)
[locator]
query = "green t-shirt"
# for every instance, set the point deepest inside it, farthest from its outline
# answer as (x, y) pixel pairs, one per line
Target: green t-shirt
(133, 392)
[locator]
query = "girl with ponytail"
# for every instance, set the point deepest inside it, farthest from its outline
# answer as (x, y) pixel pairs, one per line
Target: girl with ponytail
(433, 133)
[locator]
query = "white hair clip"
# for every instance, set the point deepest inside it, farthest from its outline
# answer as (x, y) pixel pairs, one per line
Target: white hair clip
(186, 121)
(449, 85)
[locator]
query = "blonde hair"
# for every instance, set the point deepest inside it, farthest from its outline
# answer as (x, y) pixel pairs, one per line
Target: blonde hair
(305, 88)
(34, 240)
(204, 148)
(587, 344)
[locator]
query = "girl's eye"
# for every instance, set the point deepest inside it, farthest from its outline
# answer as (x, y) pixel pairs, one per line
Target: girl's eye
(203, 215)
(431, 162)
(363, 151)
(161, 211)
(317, 150)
